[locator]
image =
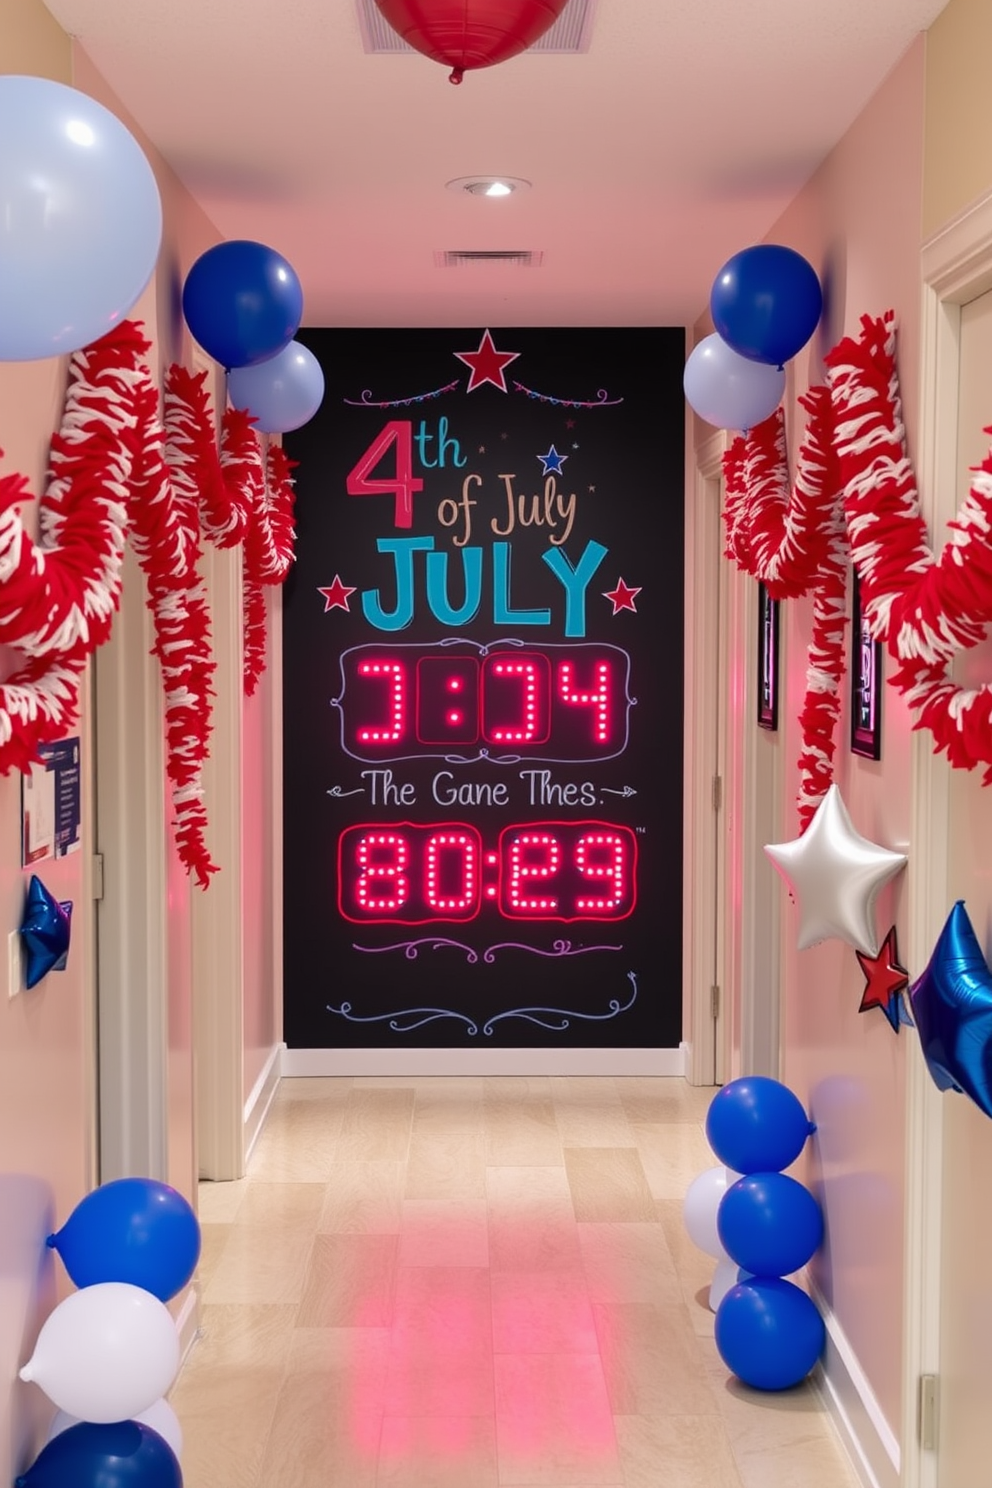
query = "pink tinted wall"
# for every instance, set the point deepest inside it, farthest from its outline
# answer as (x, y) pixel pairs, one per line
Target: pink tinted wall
(260, 792)
(858, 222)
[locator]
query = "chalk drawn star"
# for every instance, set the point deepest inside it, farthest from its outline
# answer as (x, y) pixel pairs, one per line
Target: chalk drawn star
(336, 595)
(552, 462)
(487, 364)
(622, 597)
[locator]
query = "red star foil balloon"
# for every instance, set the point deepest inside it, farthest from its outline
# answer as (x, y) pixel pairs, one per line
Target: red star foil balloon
(836, 875)
(464, 34)
(885, 982)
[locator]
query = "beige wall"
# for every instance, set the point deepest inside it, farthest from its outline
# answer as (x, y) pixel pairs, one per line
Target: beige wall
(958, 147)
(46, 1036)
(858, 222)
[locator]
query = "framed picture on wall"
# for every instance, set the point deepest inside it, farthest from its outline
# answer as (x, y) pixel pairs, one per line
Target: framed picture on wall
(767, 660)
(866, 684)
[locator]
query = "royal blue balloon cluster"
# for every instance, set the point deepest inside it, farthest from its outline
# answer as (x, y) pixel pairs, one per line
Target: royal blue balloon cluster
(244, 302)
(766, 303)
(768, 1331)
(143, 1233)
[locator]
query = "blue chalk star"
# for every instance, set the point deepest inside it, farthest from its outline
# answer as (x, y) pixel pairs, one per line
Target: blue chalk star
(552, 462)
(952, 1001)
(46, 929)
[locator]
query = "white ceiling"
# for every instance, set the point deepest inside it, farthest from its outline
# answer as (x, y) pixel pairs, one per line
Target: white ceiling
(674, 141)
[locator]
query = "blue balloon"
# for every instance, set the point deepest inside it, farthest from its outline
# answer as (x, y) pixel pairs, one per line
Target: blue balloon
(80, 219)
(282, 393)
(728, 390)
(769, 1224)
(757, 1125)
(134, 1230)
(769, 1333)
(243, 302)
(125, 1454)
(766, 302)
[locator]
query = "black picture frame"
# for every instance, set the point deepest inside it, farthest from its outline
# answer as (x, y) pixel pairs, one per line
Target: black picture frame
(767, 660)
(866, 683)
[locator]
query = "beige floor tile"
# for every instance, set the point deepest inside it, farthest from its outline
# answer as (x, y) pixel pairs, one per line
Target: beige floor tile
(597, 1090)
(653, 1362)
(217, 1203)
(497, 1088)
(444, 1232)
(553, 1421)
(453, 1105)
(446, 1165)
(225, 1418)
(515, 1189)
(364, 1198)
(320, 1437)
(664, 1099)
(542, 1312)
(438, 1383)
(298, 1144)
(349, 1282)
(608, 1184)
(375, 1123)
(443, 1310)
(355, 1357)
(820, 1462)
(694, 1268)
(690, 1451)
(521, 1133)
(213, 1238)
(314, 1088)
(582, 1123)
(538, 1237)
(672, 1156)
(437, 1451)
(628, 1263)
(234, 1336)
(260, 1265)
(297, 1205)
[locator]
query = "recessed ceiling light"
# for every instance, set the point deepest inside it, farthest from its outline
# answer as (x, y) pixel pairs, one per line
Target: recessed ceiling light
(489, 185)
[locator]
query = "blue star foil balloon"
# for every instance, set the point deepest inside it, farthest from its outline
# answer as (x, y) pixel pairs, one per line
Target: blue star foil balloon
(952, 1001)
(45, 929)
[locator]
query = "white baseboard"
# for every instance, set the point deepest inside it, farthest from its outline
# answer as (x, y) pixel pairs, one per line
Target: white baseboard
(619, 1062)
(860, 1421)
(262, 1093)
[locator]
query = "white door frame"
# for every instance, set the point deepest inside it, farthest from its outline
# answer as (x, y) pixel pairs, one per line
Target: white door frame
(956, 267)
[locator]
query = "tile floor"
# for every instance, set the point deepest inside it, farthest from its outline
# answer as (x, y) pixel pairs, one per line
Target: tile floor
(475, 1283)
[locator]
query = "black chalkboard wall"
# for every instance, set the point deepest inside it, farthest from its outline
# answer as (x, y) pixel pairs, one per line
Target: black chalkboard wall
(483, 692)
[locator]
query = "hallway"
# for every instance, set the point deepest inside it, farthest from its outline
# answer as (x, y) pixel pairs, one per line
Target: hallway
(465, 1283)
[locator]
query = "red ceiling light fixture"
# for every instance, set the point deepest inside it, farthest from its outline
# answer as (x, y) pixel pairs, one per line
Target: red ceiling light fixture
(463, 34)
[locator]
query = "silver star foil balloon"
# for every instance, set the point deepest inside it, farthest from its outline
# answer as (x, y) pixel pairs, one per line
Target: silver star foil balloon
(835, 875)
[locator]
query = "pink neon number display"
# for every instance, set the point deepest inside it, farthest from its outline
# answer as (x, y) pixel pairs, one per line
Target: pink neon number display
(393, 673)
(411, 873)
(596, 697)
(515, 699)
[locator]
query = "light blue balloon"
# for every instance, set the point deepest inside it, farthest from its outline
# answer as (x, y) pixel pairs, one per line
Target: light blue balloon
(729, 390)
(80, 219)
(281, 393)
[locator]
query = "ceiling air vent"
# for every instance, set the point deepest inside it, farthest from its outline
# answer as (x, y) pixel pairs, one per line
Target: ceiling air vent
(571, 32)
(458, 258)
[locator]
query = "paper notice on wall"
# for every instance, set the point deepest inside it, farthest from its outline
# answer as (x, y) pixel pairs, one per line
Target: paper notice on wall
(50, 803)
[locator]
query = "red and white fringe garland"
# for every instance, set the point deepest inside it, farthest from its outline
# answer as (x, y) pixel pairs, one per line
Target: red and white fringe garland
(794, 542)
(116, 472)
(862, 499)
(924, 608)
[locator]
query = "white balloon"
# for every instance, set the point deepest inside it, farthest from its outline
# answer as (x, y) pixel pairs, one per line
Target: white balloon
(836, 875)
(699, 1210)
(160, 1417)
(724, 1277)
(106, 1353)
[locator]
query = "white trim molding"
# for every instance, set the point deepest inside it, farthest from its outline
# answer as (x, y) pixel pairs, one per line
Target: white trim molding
(261, 1098)
(860, 1421)
(615, 1062)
